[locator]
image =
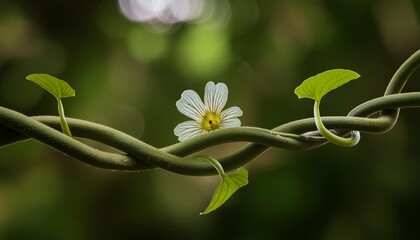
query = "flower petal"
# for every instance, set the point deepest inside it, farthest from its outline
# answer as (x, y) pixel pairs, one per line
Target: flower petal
(231, 112)
(229, 123)
(229, 117)
(215, 96)
(187, 129)
(191, 105)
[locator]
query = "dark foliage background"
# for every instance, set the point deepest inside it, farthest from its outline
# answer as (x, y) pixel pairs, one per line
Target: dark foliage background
(129, 78)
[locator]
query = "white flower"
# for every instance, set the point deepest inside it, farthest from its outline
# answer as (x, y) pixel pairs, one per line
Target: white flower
(207, 116)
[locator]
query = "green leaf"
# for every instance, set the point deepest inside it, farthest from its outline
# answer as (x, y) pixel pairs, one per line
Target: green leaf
(57, 87)
(317, 86)
(227, 188)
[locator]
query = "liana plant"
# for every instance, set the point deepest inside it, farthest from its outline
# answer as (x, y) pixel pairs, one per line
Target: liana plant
(210, 125)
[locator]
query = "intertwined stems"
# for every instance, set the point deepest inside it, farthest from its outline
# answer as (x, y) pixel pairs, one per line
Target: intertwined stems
(341, 141)
(140, 155)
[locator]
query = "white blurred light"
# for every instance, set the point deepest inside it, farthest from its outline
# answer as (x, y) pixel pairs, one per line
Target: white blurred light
(166, 12)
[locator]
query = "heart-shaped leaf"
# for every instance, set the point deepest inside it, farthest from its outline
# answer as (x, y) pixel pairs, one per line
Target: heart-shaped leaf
(317, 86)
(226, 188)
(57, 87)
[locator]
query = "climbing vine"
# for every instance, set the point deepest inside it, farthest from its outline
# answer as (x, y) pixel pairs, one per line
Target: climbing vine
(210, 127)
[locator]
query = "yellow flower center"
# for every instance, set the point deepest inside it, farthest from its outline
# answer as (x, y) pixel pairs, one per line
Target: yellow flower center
(211, 121)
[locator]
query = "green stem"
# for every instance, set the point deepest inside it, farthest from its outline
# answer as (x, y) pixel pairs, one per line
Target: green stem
(344, 142)
(138, 155)
(398, 81)
(142, 156)
(216, 164)
(63, 121)
(146, 157)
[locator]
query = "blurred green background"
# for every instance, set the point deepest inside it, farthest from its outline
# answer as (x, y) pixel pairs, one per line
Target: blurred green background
(128, 75)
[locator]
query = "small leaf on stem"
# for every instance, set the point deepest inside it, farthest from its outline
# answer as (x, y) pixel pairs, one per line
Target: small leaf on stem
(59, 89)
(315, 88)
(226, 188)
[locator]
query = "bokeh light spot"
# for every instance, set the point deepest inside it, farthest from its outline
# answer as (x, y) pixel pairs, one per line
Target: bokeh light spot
(166, 11)
(146, 46)
(204, 51)
(162, 15)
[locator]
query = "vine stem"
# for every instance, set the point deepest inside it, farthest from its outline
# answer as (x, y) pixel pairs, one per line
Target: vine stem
(341, 141)
(215, 164)
(296, 135)
(140, 156)
(63, 122)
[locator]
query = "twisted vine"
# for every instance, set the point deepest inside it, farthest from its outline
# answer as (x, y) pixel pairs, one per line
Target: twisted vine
(138, 155)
